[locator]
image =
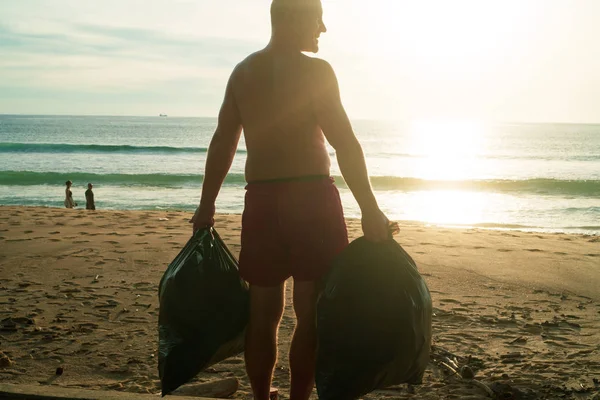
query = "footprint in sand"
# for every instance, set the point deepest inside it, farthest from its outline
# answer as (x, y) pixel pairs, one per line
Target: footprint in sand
(55, 240)
(504, 250)
(449, 246)
(111, 241)
(54, 233)
(450, 301)
(534, 250)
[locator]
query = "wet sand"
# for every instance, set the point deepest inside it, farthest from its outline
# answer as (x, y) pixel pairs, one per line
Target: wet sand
(78, 290)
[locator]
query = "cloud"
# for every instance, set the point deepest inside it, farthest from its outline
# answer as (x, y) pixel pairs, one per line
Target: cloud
(108, 57)
(89, 69)
(115, 57)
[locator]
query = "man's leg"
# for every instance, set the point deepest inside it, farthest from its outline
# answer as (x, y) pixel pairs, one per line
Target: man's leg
(304, 343)
(266, 309)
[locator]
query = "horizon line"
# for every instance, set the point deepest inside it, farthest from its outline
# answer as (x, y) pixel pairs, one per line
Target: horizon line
(351, 118)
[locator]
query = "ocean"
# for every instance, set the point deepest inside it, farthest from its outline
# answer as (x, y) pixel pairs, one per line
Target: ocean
(534, 177)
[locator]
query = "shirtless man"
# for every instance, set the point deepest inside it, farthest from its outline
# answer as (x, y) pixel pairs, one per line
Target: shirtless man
(287, 104)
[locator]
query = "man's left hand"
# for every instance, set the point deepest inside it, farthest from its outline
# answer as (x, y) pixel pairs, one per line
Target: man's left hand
(203, 217)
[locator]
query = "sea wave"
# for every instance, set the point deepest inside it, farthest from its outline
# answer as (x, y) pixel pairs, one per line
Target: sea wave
(539, 186)
(551, 187)
(97, 148)
(28, 178)
(14, 147)
(502, 157)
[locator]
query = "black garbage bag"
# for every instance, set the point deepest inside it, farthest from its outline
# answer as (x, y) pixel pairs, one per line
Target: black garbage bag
(373, 322)
(204, 310)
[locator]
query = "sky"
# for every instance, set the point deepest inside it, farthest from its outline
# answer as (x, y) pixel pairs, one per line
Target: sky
(498, 60)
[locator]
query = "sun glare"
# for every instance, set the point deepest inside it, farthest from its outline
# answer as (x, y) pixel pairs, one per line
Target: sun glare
(447, 150)
(449, 207)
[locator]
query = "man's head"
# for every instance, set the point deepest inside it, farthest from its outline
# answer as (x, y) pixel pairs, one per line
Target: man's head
(90, 186)
(300, 21)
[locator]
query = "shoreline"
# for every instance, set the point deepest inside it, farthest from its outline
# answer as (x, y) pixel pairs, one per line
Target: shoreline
(484, 226)
(82, 286)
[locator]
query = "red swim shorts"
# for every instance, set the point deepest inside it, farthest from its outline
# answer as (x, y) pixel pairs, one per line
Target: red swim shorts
(291, 228)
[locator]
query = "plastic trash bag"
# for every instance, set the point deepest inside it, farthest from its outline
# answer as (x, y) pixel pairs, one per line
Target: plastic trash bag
(373, 322)
(204, 310)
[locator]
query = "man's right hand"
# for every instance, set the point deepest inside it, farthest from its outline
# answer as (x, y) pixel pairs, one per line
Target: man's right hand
(376, 226)
(203, 217)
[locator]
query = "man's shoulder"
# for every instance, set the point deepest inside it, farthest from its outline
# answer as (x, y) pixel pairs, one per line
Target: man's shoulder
(302, 58)
(320, 67)
(249, 59)
(315, 68)
(319, 62)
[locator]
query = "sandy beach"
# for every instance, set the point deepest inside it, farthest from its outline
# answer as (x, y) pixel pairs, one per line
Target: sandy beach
(78, 290)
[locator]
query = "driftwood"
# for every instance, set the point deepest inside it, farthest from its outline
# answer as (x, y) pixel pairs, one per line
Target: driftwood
(52, 392)
(448, 362)
(221, 388)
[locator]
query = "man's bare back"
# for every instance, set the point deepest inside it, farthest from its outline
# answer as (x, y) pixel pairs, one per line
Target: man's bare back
(275, 93)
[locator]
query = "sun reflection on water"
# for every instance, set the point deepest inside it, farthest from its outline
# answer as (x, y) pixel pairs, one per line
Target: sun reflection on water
(449, 207)
(447, 150)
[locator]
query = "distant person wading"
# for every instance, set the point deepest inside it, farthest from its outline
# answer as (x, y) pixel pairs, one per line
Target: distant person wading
(69, 203)
(89, 198)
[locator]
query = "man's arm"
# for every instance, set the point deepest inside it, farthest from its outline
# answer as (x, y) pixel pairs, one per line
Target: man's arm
(336, 127)
(221, 152)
